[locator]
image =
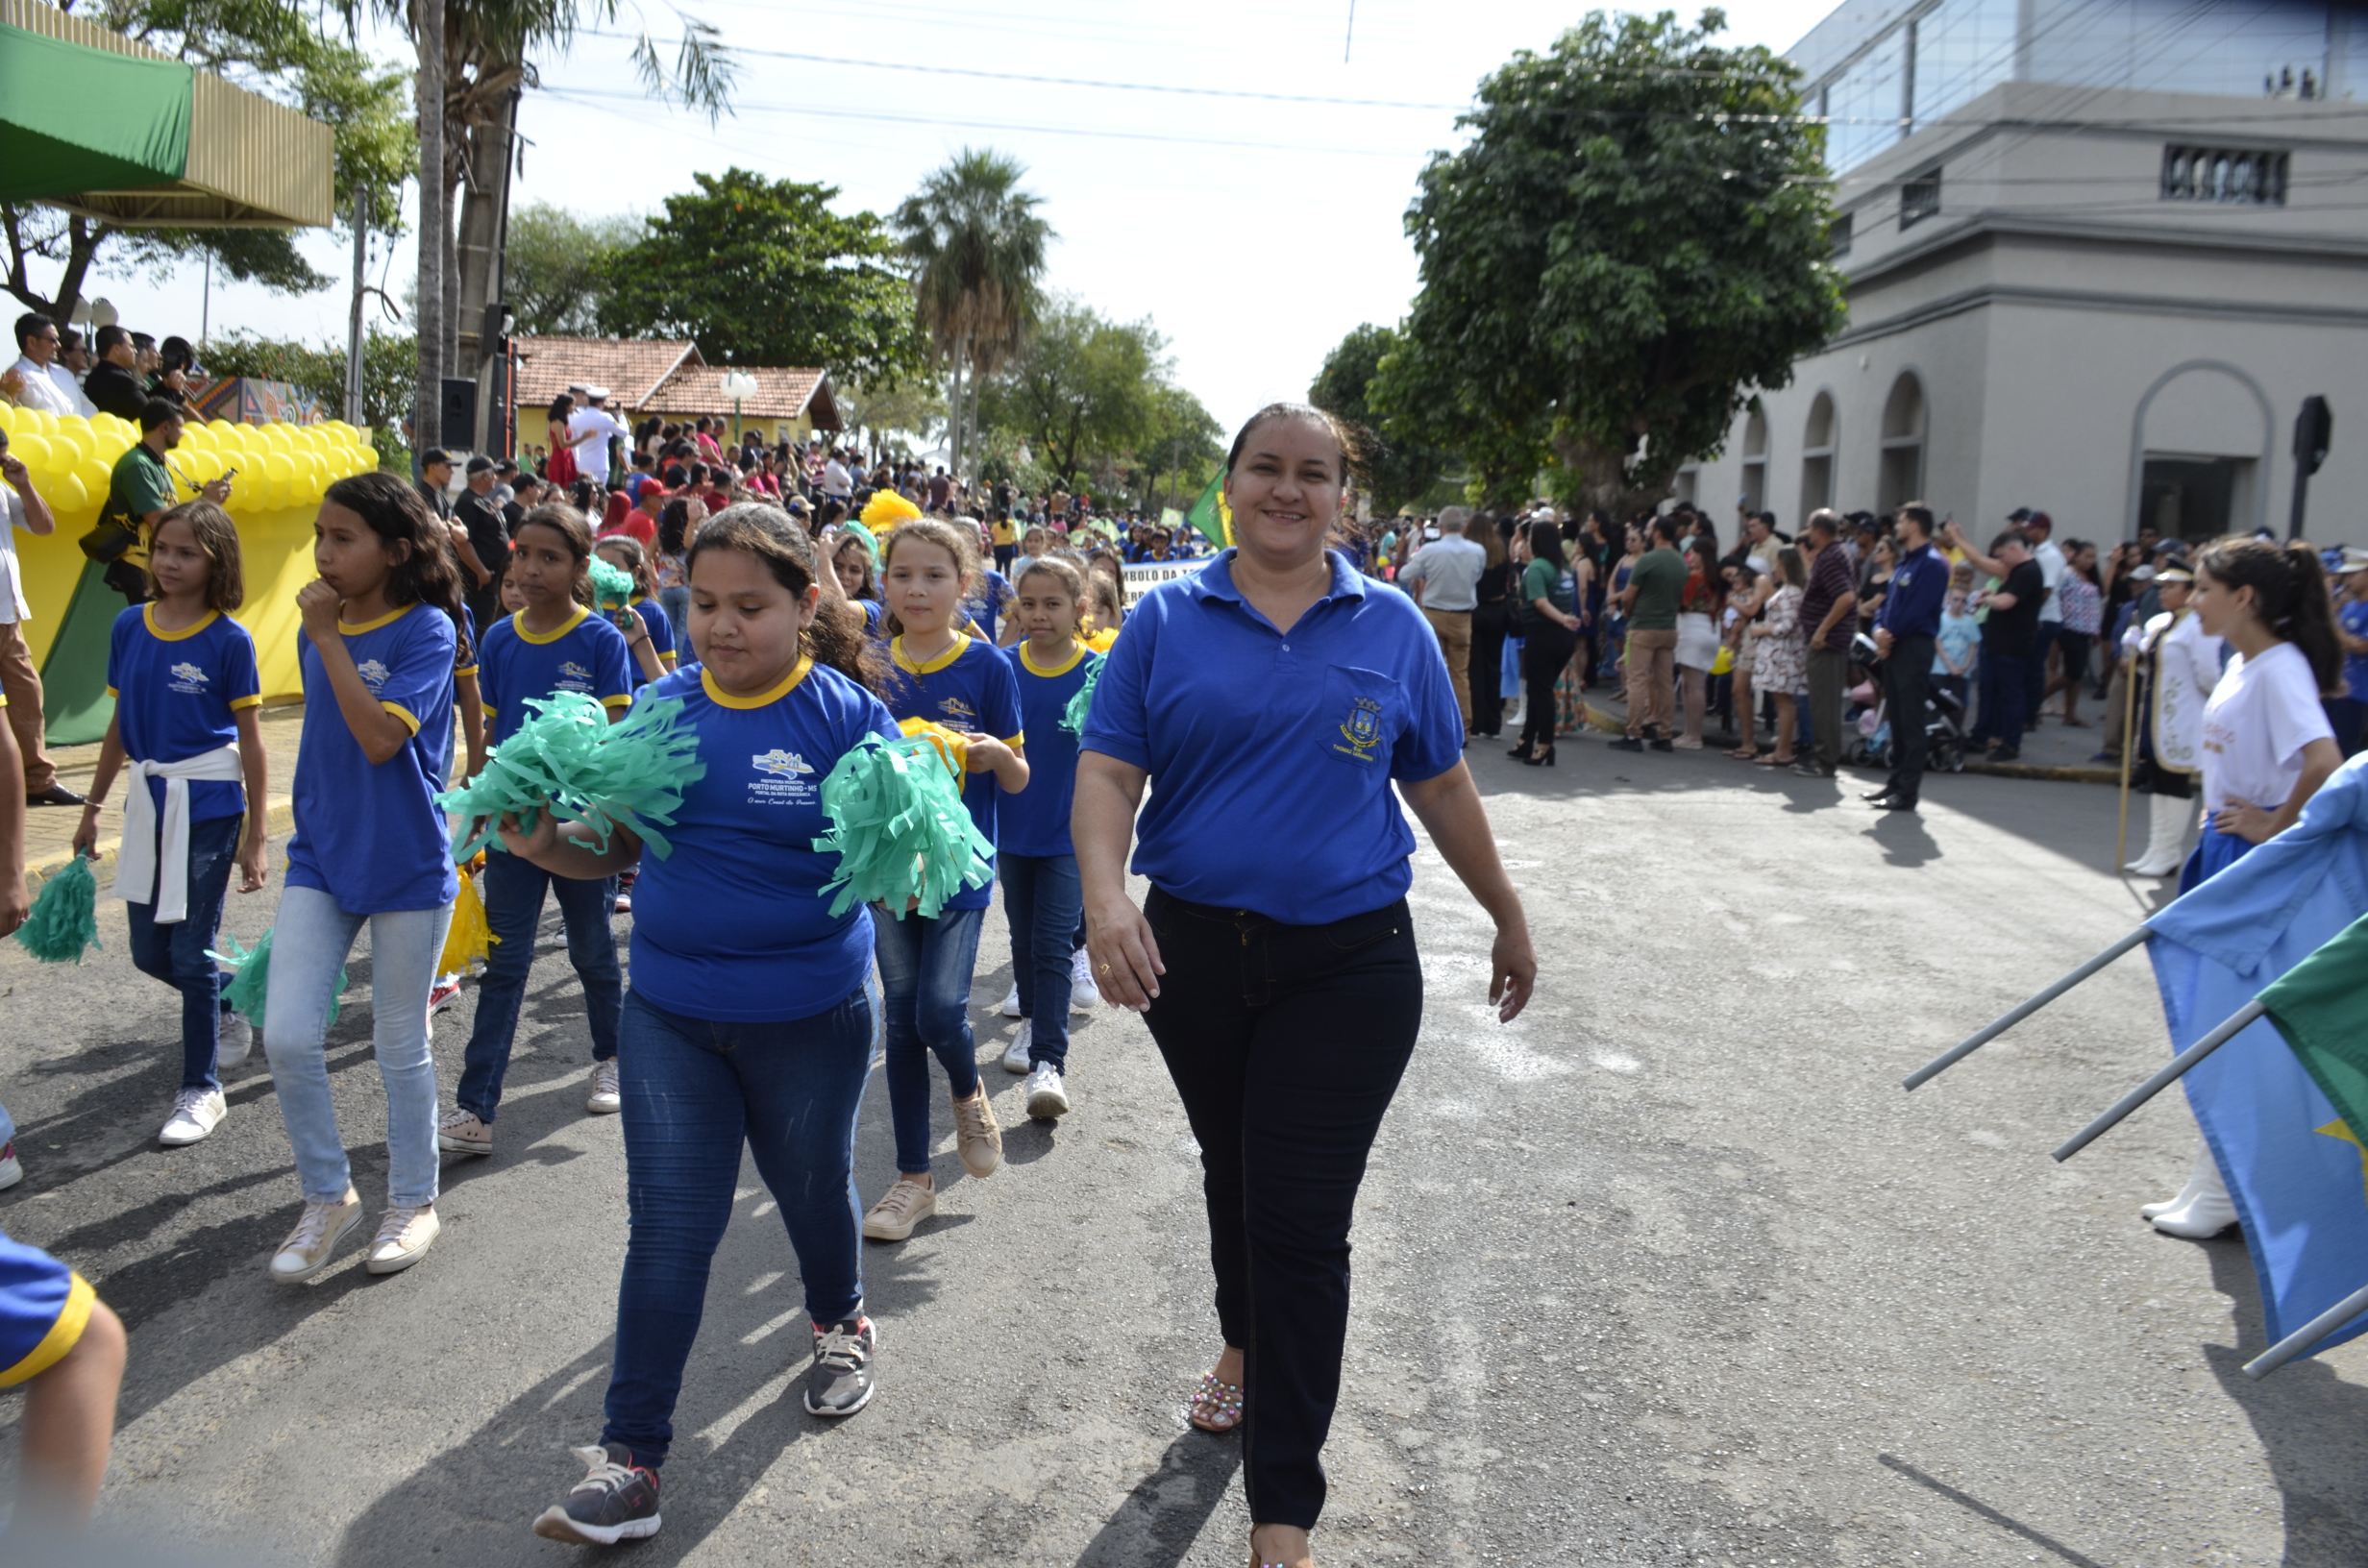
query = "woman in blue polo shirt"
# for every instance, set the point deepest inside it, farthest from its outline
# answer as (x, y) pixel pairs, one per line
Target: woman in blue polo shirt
(555, 644)
(748, 1022)
(382, 640)
(1271, 699)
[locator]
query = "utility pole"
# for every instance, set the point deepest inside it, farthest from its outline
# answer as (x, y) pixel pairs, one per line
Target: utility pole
(353, 324)
(428, 322)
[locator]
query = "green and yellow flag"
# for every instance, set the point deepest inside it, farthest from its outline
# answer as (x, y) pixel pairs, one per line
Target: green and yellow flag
(1210, 515)
(2321, 1007)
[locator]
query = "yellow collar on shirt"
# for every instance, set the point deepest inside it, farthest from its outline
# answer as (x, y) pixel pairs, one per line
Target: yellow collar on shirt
(1077, 653)
(148, 617)
(518, 624)
(723, 699)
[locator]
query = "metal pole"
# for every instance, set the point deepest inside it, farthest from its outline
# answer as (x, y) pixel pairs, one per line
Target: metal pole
(353, 325)
(2236, 1025)
(2129, 745)
(1943, 1063)
(2300, 1341)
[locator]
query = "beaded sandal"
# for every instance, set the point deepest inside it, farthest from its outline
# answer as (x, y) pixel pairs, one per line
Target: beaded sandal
(1216, 1407)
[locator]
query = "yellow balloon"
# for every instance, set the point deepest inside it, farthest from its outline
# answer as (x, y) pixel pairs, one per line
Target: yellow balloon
(31, 448)
(205, 467)
(199, 437)
(370, 459)
(279, 466)
(8, 417)
(94, 474)
(44, 423)
(66, 495)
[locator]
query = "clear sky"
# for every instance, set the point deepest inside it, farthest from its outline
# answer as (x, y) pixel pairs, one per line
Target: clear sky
(1253, 232)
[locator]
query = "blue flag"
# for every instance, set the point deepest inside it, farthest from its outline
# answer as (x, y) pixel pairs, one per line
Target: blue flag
(2290, 1162)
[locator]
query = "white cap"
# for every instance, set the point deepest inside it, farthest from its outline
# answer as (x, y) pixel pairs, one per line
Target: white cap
(597, 394)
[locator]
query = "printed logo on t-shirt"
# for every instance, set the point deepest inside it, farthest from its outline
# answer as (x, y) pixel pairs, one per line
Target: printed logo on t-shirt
(787, 781)
(187, 677)
(373, 673)
(959, 715)
(1363, 730)
(574, 676)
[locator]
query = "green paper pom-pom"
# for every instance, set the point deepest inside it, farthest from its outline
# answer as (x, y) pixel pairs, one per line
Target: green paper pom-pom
(251, 980)
(568, 756)
(1081, 706)
(65, 917)
(611, 585)
(899, 830)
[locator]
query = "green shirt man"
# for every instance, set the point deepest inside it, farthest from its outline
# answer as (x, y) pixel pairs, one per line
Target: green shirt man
(1655, 580)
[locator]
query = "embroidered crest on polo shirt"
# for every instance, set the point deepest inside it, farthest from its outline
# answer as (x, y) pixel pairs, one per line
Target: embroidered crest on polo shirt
(787, 781)
(187, 677)
(1362, 731)
(373, 673)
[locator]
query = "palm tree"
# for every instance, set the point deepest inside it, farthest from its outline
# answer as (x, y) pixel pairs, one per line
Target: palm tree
(978, 250)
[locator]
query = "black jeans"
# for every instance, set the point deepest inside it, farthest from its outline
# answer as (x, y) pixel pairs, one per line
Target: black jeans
(1489, 625)
(1907, 679)
(1286, 1044)
(1545, 650)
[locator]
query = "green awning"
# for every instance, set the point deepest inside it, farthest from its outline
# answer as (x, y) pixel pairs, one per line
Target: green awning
(75, 119)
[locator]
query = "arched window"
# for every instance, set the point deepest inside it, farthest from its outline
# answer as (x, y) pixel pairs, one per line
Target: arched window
(1902, 477)
(1817, 443)
(1755, 459)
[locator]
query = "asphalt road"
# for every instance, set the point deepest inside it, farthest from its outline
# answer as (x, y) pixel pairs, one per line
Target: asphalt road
(1669, 1271)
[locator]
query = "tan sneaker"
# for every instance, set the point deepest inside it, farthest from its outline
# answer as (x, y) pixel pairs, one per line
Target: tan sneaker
(403, 1236)
(306, 1251)
(976, 1136)
(904, 1206)
(462, 1133)
(604, 1101)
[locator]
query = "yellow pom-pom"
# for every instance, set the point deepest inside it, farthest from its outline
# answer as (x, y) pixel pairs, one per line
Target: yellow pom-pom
(886, 509)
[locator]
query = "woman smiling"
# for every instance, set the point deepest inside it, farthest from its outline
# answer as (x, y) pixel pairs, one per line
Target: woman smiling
(1274, 695)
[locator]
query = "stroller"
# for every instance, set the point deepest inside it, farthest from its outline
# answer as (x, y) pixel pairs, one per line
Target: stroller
(1944, 720)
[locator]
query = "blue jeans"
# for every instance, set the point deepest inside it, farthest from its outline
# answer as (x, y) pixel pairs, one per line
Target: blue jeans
(2003, 678)
(513, 891)
(1042, 899)
(925, 976)
(694, 1092)
(176, 954)
(308, 948)
(676, 603)
(2035, 670)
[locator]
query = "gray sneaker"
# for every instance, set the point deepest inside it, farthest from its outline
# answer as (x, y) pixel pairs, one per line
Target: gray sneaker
(839, 1383)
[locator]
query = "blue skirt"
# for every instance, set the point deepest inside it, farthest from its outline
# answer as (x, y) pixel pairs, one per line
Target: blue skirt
(2214, 852)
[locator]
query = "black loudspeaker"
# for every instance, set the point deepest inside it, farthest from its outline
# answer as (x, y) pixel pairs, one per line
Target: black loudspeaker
(457, 422)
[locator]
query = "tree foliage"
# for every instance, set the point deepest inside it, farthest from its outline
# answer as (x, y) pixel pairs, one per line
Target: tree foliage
(1399, 466)
(1177, 450)
(1632, 240)
(1082, 389)
(556, 275)
(390, 366)
(762, 271)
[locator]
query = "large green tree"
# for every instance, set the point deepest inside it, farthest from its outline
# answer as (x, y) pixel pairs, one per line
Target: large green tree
(1178, 449)
(1630, 241)
(1400, 466)
(762, 271)
(976, 248)
(1082, 391)
(556, 275)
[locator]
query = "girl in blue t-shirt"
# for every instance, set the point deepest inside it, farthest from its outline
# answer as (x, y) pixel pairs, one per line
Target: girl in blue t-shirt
(1039, 869)
(381, 639)
(749, 1020)
(183, 677)
(555, 643)
(654, 652)
(961, 683)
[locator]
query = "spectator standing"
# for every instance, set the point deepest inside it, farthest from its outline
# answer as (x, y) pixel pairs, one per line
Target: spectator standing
(38, 379)
(1905, 634)
(2078, 603)
(2050, 559)
(1960, 640)
(2175, 667)
(589, 430)
(1699, 601)
(487, 555)
(1494, 604)
(1549, 636)
(20, 683)
(2009, 631)
(2345, 712)
(1828, 615)
(1778, 666)
(139, 492)
(1650, 602)
(1445, 579)
(559, 467)
(113, 385)
(436, 482)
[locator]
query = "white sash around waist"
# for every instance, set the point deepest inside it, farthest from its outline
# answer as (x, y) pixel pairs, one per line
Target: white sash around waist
(145, 871)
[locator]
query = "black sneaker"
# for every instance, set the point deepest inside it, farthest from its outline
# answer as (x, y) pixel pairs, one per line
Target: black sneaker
(1628, 742)
(1662, 742)
(2006, 753)
(839, 1383)
(616, 1501)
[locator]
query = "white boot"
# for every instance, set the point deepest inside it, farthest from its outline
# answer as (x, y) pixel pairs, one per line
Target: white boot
(2166, 840)
(2200, 1171)
(1520, 715)
(2205, 1215)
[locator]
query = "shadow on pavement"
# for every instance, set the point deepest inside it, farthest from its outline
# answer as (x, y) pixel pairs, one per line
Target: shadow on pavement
(1975, 1505)
(1161, 1519)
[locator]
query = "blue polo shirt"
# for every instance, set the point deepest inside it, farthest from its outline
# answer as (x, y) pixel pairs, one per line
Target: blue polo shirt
(1270, 753)
(587, 655)
(176, 693)
(970, 687)
(1035, 822)
(1919, 592)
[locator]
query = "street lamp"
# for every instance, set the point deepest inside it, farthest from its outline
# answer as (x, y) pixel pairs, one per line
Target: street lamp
(738, 385)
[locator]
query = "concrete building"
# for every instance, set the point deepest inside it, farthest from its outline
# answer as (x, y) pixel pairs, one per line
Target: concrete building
(2098, 253)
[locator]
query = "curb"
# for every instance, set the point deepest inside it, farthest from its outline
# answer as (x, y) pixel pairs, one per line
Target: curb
(2030, 769)
(280, 817)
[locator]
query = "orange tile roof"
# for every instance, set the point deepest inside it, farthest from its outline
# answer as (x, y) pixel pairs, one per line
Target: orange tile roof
(782, 393)
(633, 369)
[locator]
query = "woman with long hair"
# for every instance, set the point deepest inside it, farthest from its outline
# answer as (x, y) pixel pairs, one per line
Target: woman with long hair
(1492, 618)
(2079, 599)
(1549, 636)
(1699, 601)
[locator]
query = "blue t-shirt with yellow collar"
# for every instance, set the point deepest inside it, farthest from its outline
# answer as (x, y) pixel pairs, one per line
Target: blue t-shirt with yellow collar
(970, 687)
(369, 834)
(585, 655)
(175, 695)
(1035, 822)
(734, 925)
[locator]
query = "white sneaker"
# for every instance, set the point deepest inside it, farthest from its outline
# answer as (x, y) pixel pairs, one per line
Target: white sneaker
(604, 1101)
(307, 1250)
(460, 1131)
(1048, 1097)
(1083, 994)
(237, 1039)
(12, 1169)
(405, 1234)
(1011, 1003)
(1015, 1059)
(196, 1111)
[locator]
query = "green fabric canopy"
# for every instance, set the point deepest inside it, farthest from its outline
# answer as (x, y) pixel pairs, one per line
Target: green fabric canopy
(75, 119)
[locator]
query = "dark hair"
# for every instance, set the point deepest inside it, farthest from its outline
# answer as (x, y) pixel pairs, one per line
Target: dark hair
(108, 335)
(158, 411)
(1073, 581)
(962, 544)
(30, 323)
(226, 587)
(585, 495)
(1917, 513)
(1791, 567)
(176, 354)
(425, 572)
(1545, 542)
(863, 551)
(1349, 439)
(569, 525)
(1662, 528)
(2290, 593)
(674, 527)
(836, 635)
(562, 406)
(2010, 536)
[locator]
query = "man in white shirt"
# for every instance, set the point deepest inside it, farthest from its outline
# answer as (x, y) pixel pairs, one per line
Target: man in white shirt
(2038, 527)
(1445, 578)
(589, 429)
(837, 483)
(20, 680)
(37, 381)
